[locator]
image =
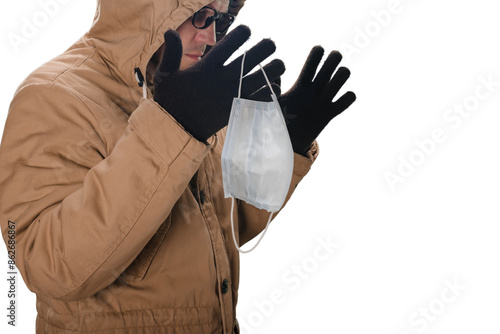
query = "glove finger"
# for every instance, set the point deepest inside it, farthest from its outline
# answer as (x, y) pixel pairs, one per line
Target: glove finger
(276, 88)
(172, 54)
(264, 94)
(326, 71)
(341, 104)
(256, 80)
(253, 57)
(311, 65)
(227, 46)
(333, 87)
(322, 117)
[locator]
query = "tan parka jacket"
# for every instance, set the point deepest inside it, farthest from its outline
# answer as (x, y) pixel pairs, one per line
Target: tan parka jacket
(121, 225)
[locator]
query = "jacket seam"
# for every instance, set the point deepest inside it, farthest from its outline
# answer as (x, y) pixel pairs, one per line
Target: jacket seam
(216, 264)
(129, 311)
(103, 138)
(78, 64)
(69, 91)
(74, 95)
(224, 306)
(55, 82)
(114, 328)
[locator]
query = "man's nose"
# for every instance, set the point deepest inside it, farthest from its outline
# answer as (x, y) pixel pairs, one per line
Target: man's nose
(207, 35)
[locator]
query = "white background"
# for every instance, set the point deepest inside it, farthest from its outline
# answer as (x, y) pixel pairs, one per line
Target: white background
(398, 249)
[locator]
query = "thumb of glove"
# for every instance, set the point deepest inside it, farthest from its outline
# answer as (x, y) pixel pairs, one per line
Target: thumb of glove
(172, 54)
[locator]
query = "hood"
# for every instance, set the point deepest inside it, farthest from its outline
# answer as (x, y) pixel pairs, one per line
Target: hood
(126, 33)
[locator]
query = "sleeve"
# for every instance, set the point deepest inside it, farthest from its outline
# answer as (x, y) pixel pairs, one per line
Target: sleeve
(82, 215)
(252, 221)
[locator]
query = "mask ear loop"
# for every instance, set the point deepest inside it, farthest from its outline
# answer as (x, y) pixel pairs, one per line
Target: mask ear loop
(232, 198)
(241, 75)
(263, 72)
(268, 83)
(234, 237)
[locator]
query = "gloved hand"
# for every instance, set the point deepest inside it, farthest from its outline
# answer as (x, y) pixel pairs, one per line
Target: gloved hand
(307, 106)
(200, 97)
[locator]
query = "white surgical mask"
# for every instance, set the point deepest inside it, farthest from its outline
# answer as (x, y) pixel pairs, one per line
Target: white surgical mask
(257, 158)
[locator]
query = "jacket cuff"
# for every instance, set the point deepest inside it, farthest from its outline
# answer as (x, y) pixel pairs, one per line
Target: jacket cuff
(164, 134)
(302, 164)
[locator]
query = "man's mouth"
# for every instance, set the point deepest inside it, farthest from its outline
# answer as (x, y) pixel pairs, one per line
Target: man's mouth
(196, 57)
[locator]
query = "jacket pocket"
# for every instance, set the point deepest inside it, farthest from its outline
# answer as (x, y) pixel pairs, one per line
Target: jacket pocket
(137, 269)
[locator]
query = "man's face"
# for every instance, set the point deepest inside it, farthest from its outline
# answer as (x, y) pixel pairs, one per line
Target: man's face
(194, 41)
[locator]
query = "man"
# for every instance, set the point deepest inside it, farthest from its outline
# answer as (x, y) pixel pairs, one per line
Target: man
(116, 193)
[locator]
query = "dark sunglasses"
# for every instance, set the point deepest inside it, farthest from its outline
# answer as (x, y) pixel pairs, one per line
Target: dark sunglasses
(203, 18)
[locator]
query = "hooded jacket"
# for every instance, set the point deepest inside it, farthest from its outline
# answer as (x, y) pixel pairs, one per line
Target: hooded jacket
(121, 225)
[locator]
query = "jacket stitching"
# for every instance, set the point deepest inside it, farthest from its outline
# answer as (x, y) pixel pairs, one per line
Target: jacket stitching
(152, 148)
(214, 247)
(114, 328)
(78, 64)
(129, 311)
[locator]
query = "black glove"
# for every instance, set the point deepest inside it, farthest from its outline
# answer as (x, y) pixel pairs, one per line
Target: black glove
(307, 106)
(200, 97)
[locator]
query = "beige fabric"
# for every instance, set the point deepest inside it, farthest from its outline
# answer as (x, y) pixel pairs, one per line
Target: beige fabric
(121, 221)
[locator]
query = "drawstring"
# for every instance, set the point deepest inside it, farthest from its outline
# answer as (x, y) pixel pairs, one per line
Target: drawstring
(232, 229)
(141, 80)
